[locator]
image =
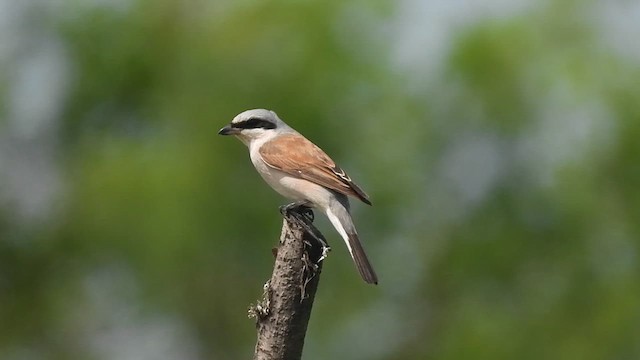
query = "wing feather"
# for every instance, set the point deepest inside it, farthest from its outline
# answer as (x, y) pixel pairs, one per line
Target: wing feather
(297, 156)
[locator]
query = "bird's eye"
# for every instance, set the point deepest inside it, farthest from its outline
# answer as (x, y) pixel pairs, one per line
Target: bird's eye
(255, 123)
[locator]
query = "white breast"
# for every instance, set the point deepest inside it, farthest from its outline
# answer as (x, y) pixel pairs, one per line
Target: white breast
(291, 187)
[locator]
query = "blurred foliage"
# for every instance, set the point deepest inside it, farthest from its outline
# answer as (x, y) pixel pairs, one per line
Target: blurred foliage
(505, 189)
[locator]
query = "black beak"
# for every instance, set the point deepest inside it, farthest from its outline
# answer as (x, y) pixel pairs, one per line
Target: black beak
(228, 130)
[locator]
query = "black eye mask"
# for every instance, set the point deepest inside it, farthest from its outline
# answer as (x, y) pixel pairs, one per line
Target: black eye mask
(254, 123)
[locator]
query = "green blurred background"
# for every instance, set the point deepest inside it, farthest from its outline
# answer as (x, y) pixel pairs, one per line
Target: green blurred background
(498, 140)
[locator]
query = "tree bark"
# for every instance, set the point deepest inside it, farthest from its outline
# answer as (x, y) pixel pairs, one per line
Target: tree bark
(283, 313)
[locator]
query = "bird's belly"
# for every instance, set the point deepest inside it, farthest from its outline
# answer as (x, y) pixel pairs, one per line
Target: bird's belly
(292, 187)
(283, 184)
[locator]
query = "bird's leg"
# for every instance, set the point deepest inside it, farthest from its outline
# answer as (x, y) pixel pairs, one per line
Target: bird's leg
(302, 207)
(301, 213)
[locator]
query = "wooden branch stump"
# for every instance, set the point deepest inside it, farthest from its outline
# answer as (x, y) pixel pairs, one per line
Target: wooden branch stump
(283, 312)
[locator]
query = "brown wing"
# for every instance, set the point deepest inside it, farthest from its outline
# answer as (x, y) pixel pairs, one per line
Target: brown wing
(297, 156)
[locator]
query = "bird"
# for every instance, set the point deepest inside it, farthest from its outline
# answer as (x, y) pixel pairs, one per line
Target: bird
(299, 170)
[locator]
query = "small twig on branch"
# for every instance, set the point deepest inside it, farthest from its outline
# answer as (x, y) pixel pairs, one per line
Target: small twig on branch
(283, 312)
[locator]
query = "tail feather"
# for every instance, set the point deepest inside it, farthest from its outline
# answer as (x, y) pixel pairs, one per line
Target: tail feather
(360, 259)
(341, 220)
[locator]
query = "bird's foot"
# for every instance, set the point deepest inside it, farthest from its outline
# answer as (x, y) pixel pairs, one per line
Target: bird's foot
(302, 207)
(300, 212)
(302, 219)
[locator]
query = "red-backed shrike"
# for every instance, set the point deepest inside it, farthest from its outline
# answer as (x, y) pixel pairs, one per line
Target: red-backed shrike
(299, 170)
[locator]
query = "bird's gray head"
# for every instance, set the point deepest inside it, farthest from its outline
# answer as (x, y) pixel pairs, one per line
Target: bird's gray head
(254, 124)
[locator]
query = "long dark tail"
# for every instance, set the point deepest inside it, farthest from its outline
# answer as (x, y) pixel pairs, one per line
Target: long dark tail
(339, 216)
(361, 260)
